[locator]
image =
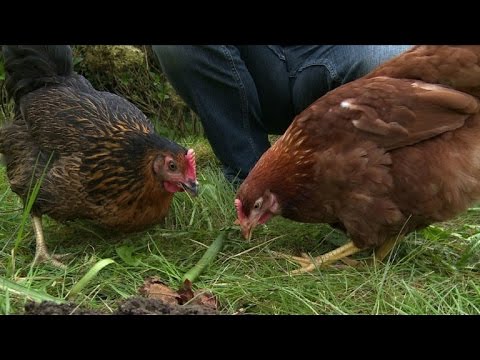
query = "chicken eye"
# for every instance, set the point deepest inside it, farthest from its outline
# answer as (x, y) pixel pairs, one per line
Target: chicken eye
(257, 204)
(172, 166)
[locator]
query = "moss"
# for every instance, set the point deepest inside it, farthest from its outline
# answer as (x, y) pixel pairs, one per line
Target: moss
(113, 59)
(133, 72)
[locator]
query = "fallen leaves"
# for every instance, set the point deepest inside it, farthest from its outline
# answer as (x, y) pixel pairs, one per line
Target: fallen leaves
(155, 288)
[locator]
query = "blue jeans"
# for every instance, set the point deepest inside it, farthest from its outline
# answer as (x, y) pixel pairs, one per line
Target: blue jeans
(243, 93)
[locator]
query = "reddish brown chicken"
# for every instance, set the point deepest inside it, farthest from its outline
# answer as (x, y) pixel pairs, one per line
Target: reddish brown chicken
(95, 155)
(378, 157)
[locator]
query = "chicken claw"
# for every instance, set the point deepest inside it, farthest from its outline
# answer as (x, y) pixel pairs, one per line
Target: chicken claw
(309, 264)
(41, 253)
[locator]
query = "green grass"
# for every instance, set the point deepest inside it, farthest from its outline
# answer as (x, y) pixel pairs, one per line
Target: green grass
(435, 271)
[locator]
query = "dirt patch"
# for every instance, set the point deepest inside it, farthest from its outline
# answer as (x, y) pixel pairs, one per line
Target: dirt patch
(51, 308)
(156, 299)
(144, 306)
(132, 306)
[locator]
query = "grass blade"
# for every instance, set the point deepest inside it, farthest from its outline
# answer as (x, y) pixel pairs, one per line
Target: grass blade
(8, 285)
(32, 196)
(89, 276)
(474, 243)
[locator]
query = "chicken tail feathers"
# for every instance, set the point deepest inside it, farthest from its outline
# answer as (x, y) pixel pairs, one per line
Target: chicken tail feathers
(29, 67)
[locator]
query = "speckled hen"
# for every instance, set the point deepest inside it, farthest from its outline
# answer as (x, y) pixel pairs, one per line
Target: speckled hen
(95, 155)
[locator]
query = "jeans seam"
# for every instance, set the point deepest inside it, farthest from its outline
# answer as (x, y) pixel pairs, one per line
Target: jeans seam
(277, 52)
(321, 62)
(244, 102)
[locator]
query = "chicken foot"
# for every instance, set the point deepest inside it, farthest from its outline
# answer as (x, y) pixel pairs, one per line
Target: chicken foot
(383, 250)
(41, 252)
(308, 264)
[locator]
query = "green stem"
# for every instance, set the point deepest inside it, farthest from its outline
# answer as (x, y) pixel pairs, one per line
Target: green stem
(207, 258)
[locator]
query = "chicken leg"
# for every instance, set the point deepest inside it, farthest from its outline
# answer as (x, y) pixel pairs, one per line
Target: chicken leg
(41, 252)
(308, 264)
(383, 250)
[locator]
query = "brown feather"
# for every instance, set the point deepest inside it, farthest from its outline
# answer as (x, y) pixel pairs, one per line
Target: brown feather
(382, 155)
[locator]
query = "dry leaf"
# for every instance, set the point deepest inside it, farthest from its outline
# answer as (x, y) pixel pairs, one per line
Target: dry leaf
(154, 288)
(200, 297)
(185, 292)
(205, 299)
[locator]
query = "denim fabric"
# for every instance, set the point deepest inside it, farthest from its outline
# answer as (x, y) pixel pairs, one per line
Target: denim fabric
(243, 93)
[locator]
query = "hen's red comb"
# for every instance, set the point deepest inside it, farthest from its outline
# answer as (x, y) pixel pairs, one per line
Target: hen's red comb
(238, 206)
(191, 171)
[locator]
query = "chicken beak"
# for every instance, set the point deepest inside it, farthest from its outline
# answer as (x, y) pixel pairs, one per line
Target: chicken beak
(247, 234)
(247, 230)
(191, 186)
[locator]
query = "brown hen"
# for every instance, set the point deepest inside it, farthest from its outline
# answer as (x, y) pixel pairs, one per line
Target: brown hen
(95, 154)
(378, 157)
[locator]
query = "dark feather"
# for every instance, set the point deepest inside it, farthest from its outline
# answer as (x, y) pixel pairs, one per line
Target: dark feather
(97, 148)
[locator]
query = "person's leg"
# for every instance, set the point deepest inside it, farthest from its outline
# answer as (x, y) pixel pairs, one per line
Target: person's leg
(215, 82)
(315, 70)
(241, 93)
(268, 69)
